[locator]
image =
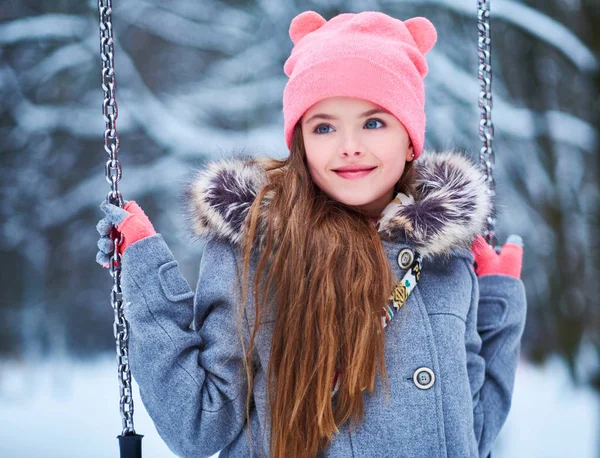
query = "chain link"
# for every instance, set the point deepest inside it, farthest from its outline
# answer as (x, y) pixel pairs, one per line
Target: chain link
(113, 173)
(486, 127)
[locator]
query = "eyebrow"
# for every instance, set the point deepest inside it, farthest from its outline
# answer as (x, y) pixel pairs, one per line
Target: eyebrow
(331, 117)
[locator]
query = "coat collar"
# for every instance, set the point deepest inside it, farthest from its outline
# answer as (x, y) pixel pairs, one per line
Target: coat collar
(451, 209)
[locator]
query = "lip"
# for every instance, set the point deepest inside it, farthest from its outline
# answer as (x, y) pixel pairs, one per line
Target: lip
(354, 174)
(354, 168)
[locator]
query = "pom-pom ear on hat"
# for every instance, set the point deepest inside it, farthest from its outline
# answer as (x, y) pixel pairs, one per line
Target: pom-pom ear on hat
(423, 33)
(304, 23)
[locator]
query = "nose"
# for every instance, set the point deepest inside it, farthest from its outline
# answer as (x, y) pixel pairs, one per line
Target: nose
(355, 153)
(351, 145)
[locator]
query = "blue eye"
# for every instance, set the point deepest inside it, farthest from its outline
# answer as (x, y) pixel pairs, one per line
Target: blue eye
(377, 120)
(317, 131)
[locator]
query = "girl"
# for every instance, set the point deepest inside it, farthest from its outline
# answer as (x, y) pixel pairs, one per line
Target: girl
(338, 310)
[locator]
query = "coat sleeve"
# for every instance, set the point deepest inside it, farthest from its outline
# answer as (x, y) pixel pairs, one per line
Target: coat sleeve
(192, 382)
(495, 325)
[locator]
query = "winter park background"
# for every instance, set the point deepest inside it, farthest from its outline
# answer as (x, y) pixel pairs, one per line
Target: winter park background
(196, 79)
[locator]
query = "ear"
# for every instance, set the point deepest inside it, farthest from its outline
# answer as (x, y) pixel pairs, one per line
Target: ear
(304, 23)
(423, 32)
(409, 152)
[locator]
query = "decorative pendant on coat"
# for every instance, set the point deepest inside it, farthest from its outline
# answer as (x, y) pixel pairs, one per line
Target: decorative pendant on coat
(402, 290)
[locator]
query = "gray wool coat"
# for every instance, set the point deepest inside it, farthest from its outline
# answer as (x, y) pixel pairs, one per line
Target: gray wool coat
(451, 350)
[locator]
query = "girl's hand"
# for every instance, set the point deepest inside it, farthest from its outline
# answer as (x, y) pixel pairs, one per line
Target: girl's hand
(508, 262)
(131, 221)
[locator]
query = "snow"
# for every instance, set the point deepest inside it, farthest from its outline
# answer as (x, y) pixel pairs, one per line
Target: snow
(59, 408)
(531, 20)
(64, 409)
(550, 417)
(509, 118)
(218, 36)
(44, 27)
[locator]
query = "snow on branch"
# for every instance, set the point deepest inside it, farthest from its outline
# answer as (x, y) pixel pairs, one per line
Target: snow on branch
(519, 122)
(71, 55)
(169, 129)
(165, 126)
(179, 30)
(535, 22)
(46, 27)
(232, 69)
(165, 172)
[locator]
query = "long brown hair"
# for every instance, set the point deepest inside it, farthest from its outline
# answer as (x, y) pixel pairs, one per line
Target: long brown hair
(323, 263)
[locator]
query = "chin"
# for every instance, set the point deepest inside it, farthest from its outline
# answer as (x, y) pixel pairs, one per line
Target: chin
(353, 200)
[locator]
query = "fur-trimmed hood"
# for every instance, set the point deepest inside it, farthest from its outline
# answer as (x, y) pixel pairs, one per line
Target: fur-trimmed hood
(451, 208)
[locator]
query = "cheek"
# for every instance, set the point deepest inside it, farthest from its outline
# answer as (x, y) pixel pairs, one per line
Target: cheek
(393, 162)
(316, 163)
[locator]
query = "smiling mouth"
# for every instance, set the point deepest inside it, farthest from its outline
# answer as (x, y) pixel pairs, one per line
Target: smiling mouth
(353, 174)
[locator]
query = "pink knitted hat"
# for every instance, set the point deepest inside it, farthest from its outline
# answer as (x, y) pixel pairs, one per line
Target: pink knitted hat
(367, 55)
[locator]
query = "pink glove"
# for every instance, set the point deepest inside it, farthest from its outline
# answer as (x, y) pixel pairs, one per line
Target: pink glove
(508, 262)
(131, 221)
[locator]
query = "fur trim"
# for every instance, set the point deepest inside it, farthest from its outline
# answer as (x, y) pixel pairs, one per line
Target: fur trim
(450, 210)
(218, 197)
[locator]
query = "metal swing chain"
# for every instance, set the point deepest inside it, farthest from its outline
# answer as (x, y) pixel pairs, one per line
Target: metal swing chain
(486, 127)
(113, 176)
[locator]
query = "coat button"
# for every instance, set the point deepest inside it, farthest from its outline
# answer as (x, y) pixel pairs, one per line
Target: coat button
(424, 378)
(405, 258)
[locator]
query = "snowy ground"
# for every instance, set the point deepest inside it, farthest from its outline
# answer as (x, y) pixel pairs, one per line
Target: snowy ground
(62, 409)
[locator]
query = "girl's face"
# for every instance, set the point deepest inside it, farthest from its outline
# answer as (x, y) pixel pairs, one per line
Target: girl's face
(347, 131)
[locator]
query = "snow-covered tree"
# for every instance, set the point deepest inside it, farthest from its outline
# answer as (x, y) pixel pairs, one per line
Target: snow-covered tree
(195, 82)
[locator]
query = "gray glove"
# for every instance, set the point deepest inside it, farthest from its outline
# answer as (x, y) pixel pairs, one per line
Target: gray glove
(115, 215)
